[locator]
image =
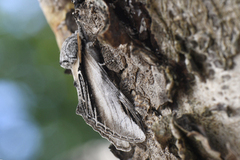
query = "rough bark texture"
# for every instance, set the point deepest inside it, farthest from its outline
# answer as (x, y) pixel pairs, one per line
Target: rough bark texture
(177, 61)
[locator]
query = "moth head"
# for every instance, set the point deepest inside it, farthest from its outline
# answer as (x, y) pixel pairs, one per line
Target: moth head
(69, 51)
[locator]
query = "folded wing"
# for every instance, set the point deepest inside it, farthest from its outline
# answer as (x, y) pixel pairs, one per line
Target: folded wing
(105, 108)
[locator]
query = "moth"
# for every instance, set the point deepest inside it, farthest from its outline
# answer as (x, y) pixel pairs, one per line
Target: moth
(101, 104)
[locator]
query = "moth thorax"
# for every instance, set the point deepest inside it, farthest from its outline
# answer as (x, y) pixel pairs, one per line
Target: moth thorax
(72, 47)
(69, 51)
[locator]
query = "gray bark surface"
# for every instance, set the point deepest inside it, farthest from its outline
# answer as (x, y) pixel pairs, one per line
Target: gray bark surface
(178, 62)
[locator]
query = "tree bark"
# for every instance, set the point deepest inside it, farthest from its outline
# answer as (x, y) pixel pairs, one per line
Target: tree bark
(177, 61)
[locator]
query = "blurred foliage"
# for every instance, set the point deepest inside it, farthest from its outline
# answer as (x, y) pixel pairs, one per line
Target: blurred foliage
(33, 60)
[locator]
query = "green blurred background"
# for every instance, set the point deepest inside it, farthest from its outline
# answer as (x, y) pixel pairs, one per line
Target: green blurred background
(37, 100)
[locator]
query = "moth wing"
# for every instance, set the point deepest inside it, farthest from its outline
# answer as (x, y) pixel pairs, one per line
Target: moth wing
(85, 110)
(106, 109)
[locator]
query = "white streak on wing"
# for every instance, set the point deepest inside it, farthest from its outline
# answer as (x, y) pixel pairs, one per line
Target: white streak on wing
(74, 70)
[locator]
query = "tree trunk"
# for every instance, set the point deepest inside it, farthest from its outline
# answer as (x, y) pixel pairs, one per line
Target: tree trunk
(177, 61)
